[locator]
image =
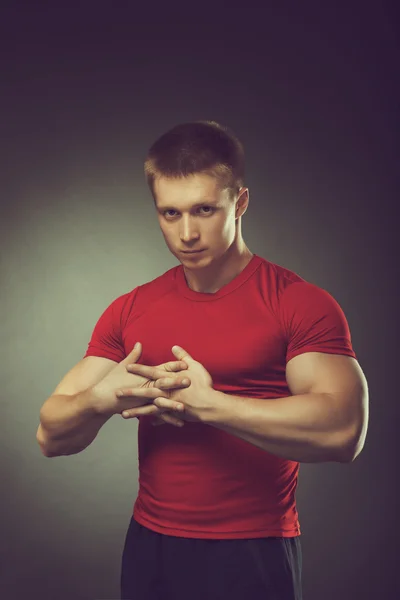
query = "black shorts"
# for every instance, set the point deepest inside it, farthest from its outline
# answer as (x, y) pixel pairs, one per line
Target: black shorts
(156, 566)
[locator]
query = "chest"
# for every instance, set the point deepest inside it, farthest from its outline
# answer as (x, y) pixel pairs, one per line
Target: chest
(237, 344)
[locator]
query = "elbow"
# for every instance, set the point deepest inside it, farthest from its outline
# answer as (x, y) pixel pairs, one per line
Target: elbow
(48, 454)
(45, 450)
(349, 451)
(353, 441)
(43, 445)
(52, 451)
(345, 456)
(356, 438)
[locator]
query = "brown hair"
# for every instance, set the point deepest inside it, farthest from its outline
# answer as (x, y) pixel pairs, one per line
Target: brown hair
(199, 147)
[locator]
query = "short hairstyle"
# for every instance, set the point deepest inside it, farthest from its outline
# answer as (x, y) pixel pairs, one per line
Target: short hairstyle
(199, 147)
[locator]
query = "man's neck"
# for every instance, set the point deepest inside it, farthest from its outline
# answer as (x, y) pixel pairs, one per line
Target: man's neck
(219, 273)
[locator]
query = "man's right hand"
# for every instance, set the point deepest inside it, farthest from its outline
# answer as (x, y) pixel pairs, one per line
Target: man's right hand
(106, 401)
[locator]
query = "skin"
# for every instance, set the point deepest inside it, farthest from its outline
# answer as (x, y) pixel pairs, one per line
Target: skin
(214, 225)
(194, 213)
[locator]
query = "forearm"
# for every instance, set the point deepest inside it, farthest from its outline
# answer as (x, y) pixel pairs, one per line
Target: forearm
(302, 428)
(68, 424)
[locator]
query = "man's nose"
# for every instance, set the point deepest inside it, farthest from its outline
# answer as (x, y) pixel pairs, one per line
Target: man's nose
(188, 230)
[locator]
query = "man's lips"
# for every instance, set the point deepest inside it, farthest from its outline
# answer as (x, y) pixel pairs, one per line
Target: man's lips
(192, 251)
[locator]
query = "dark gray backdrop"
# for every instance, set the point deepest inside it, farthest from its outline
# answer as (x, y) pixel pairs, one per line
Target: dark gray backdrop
(311, 92)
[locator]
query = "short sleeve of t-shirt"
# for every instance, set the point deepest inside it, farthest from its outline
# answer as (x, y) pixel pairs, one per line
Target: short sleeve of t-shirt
(106, 340)
(313, 321)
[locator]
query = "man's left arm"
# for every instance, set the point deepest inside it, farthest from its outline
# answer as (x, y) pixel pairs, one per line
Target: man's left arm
(325, 419)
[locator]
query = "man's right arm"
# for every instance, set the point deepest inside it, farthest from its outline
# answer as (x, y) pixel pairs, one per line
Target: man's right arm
(85, 399)
(68, 419)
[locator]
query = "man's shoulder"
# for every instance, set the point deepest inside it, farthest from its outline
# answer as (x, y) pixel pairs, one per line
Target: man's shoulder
(292, 291)
(161, 284)
(279, 277)
(119, 310)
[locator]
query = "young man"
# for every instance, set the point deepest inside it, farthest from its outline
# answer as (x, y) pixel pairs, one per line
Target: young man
(273, 381)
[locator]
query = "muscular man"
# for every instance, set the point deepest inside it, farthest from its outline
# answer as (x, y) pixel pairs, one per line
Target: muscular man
(272, 381)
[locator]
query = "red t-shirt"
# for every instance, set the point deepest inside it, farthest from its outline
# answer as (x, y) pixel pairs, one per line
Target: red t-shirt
(199, 481)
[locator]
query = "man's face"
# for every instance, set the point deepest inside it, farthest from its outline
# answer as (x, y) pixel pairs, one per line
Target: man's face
(195, 215)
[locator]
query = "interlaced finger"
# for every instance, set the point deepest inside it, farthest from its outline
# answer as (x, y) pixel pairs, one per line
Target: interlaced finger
(170, 383)
(159, 406)
(143, 392)
(149, 372)
(173, 366)
(158, 372)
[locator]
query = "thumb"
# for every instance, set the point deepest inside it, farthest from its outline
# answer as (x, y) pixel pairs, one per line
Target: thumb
(181, 354)
(133, 355)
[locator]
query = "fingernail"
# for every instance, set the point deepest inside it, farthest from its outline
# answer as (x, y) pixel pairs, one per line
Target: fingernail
(185, 381)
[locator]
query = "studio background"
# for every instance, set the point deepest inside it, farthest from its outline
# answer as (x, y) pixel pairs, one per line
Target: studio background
(311, 93)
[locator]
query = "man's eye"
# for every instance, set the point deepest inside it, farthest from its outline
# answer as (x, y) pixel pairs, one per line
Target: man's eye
(209, 210)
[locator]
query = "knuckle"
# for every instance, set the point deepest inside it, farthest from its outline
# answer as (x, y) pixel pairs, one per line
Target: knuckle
(160, 384)
(176, 366)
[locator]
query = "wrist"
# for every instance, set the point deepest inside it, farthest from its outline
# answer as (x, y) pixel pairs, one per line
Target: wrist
(213, 412)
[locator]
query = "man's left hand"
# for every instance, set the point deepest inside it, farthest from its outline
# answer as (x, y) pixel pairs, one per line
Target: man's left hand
(198, 399)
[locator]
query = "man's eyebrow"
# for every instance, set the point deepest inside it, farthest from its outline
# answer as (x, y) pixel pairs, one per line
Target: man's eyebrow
(205, 202)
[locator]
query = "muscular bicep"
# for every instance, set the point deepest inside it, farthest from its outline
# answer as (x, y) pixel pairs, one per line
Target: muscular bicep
(341, 377)
(321, 372)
